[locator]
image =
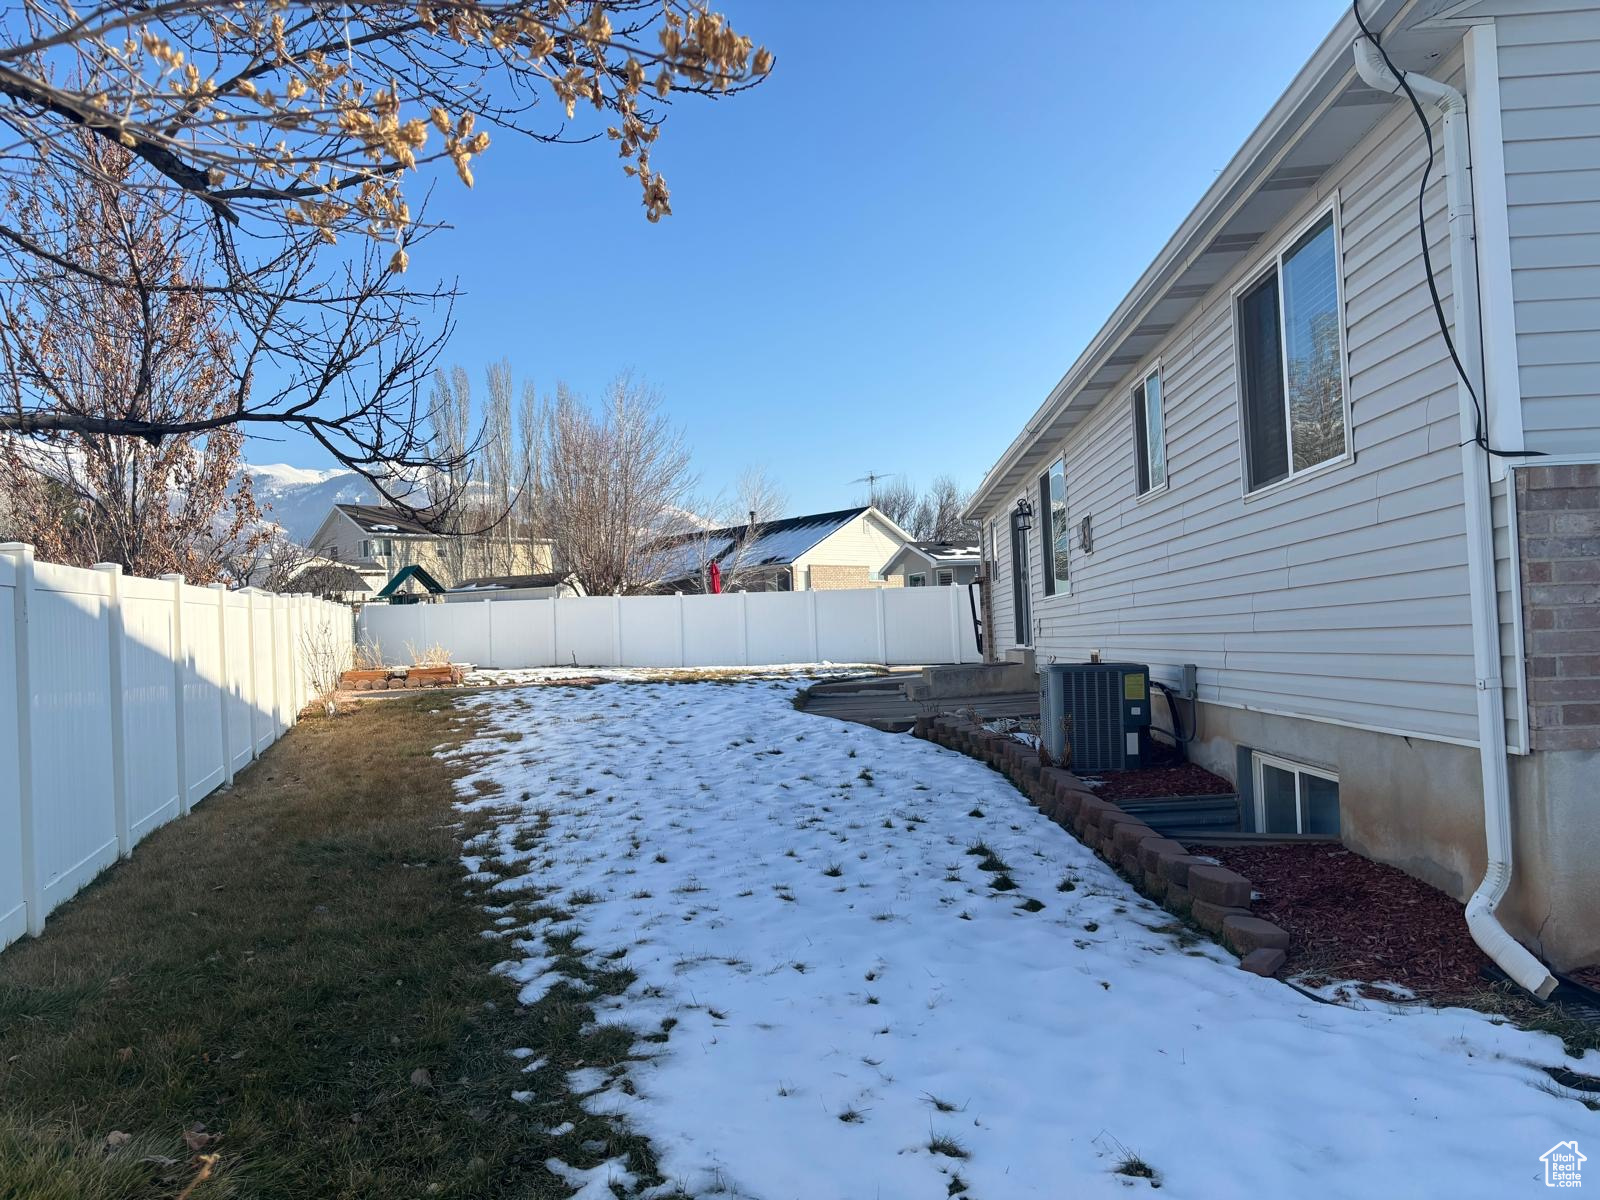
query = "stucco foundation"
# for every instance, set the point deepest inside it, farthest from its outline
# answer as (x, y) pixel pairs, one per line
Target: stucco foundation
(1417, 805)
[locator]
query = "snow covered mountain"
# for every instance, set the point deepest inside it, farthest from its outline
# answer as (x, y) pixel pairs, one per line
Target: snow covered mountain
(297, 498)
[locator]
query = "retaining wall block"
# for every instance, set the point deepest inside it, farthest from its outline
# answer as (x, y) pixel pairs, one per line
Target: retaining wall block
(1265, 962)
(1126, 837)
(1176, 868)
(1219, 886)
(1210, 916)
(1244, 935)
(1067, 805)
(1151, 851)
(1177, 898)
(1088, 815)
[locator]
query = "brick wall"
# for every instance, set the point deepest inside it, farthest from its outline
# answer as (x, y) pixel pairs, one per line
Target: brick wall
(1558, 527)
(823, 577)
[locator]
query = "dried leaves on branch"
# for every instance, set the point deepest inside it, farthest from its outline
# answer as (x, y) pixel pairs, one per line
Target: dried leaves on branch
(269, 129)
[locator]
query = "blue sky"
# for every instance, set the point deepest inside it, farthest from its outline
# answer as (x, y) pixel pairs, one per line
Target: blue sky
(883, 257)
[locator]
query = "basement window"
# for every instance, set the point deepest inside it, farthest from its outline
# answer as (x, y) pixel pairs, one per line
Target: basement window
(1149, 434)
(1294, 798)
(1291, 361)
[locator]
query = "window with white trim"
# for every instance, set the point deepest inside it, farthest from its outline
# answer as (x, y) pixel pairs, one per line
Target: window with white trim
(1291, 361)
(1294, 798)
(917, 579)
(944, 577)
(1149, 434)
(1054, 532)
(376, 548)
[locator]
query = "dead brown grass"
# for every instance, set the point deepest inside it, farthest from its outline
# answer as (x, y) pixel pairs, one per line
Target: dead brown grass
(263, 982)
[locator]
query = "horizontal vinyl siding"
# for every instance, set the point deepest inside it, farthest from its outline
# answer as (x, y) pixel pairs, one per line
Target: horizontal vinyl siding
(1550, 117)
(861, 543)
(1342, 596)
(1001, 605)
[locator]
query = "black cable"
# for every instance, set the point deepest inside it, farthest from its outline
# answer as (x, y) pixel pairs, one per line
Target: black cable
(1479, 437)
(1179, 738)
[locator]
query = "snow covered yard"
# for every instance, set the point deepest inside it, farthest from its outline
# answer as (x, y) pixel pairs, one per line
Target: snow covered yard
(863, 966)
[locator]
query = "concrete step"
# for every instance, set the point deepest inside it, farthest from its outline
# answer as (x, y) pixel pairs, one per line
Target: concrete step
(972, 679)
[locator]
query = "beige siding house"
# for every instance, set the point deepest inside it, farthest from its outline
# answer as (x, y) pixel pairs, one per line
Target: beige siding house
(1256, 467)
(375, 537)
(847, 548)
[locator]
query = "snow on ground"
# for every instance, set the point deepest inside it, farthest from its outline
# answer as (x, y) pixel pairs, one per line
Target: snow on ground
(520, 676)
(849, 991)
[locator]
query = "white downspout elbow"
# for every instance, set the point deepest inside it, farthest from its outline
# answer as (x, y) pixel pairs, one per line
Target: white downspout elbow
(1485, 926)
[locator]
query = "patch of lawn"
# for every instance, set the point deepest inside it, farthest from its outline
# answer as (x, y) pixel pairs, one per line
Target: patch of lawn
(295, 978)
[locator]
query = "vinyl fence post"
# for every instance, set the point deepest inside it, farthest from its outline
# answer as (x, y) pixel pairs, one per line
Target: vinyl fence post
(744, 628)
(683, 635)
(180, 680)
(224, 688)
(296, 666)
(253, 676)
(488, 632)
(21, 555)
(883, 630)
(616, 630)
(811, 622)
(273, 651)
(118, 645)
(955, 623)
(555, 628)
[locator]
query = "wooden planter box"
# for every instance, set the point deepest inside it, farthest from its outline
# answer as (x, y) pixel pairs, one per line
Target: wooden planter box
(433, 676)
(364, 681)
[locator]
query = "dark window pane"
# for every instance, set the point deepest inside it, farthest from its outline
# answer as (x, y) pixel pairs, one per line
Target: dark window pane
(1278, 800)
(1141, 439)
(1044, 534)
(1311, 346)
(1266, 438)
(1321, 799)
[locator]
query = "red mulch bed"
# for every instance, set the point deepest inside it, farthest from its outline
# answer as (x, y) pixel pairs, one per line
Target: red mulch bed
(1351, 918)
(1151, 782)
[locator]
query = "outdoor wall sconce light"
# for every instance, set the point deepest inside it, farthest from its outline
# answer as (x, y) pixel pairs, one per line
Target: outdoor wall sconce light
(1022, 516)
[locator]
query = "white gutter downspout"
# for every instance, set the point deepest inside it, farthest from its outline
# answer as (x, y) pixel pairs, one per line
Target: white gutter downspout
(1486, 929)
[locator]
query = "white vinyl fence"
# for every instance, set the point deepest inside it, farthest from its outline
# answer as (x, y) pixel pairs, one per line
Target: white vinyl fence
(124, 702)
(891, 626)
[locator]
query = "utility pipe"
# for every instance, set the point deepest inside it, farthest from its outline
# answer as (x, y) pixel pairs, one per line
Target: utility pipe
(1484, 925)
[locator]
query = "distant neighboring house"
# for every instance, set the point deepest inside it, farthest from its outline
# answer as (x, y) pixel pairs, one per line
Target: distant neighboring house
(385, 539)
(849, 548)
(936, 564)
(1268, 464)
(543, 586)
(334, 580)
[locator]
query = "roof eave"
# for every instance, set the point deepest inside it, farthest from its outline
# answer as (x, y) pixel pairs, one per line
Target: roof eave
(1323, 76)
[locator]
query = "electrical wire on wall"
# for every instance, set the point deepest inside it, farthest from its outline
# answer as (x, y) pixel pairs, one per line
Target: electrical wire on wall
(1180, 739)
(1480, 436)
